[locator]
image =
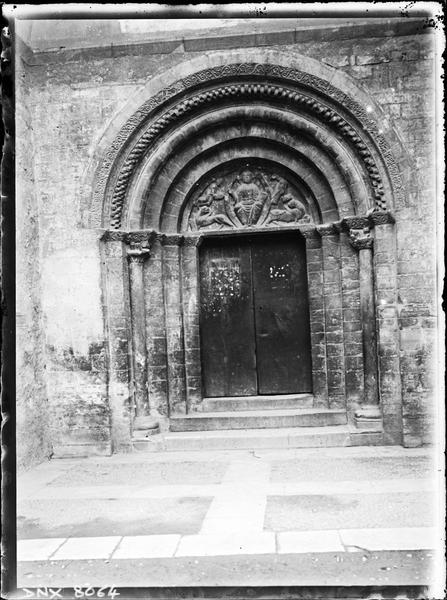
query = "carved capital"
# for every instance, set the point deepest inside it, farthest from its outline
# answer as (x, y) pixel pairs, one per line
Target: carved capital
(380, 217)
(327, 230)
(138, 253)
(192, 241)
(361, 239)
(357, 222)
(113, 236)
(158, 237)
(145, 237)
(310, 233)
(172, 239)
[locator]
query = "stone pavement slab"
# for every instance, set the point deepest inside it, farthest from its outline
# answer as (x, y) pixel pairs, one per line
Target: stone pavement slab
(359, 467)
(108, 516)
(291, 542)
(39, 549)
(335, 511)
(402, 538)
(86, 547)
(239, 504)
(147, 546)
(222, 544)
(143, 473)
(209, 517)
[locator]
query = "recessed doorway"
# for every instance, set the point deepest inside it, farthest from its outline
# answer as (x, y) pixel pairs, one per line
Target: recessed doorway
(254, 316)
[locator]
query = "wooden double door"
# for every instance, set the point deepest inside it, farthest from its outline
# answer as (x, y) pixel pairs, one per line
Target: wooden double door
(254, 316)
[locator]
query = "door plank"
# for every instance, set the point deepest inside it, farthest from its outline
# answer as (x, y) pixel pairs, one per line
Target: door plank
(281, 315)
(227, 320)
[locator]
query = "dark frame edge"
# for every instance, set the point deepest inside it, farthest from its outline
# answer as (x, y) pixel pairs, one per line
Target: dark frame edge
(8, 313)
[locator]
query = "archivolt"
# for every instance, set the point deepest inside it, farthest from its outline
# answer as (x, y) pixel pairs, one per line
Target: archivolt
(301, 91)
(173, 160)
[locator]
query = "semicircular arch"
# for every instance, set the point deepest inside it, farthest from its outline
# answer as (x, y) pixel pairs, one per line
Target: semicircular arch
(338, 89)
(295, 134)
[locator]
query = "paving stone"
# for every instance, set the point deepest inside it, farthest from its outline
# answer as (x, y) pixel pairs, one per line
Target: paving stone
(105, 516)
(291, 542)
(335, 511)
(147, 546)
(143, 473)
(409, 538)
(359, 468)
(230, 544)
(39, 549)
(87, 548)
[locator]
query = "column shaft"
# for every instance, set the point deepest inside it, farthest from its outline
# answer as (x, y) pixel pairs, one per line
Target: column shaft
(314, 263)
(368, 415)
(191, 327)
(139, 362)
(333, 317)
(367, 309)
(174, 324)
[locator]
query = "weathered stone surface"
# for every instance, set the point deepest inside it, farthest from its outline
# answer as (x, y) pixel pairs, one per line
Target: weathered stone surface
(74, 356)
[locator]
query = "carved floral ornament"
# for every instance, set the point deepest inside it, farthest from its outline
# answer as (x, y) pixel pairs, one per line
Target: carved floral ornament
(328, 114)
(251, 197)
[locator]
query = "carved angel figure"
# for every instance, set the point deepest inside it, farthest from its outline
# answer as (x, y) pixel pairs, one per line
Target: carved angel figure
(248, 197)
(207, 213)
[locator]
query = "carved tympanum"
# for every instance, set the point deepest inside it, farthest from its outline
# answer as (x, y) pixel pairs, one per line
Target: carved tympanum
(251, 197)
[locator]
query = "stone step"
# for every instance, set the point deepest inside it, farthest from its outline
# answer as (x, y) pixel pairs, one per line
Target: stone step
(258, 402)
(257, 419)
(251, 439)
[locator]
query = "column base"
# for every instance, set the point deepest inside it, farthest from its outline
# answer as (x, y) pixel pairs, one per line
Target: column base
(368, 418)
(145, 426)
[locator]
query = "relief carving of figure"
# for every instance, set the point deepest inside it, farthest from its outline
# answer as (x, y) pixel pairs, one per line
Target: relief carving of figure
(248, 197)
(207, 212)
(288, 209)
(253, 197)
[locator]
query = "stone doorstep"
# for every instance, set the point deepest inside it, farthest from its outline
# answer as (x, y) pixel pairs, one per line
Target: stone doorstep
(252, 439)
(243, 403)
(257, 419)
(247, 439)
(368, 424)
